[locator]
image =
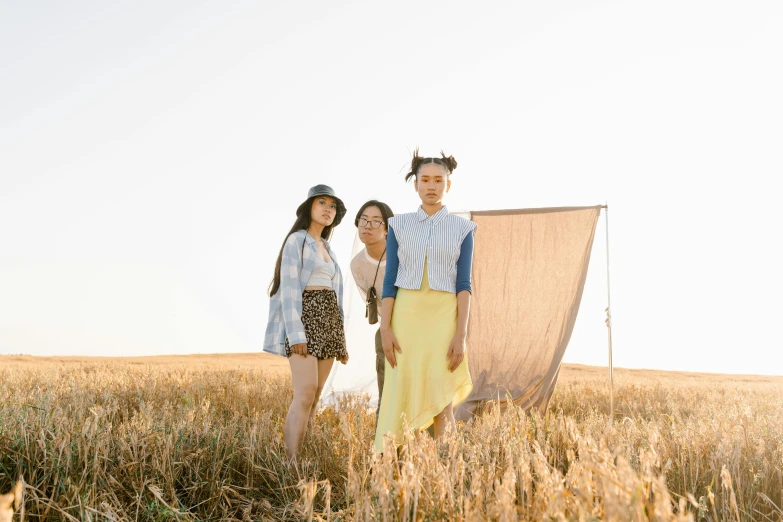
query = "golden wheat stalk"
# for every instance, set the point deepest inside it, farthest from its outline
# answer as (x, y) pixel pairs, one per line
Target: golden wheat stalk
(140, 442)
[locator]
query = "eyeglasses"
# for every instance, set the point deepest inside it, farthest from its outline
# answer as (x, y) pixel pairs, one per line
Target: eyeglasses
(373, 224)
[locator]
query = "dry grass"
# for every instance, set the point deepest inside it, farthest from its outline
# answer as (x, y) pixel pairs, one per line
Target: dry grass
(176, 439)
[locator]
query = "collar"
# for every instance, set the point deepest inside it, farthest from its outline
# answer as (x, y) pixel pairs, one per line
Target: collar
(370, 259)
(436, 218)
(308, 238)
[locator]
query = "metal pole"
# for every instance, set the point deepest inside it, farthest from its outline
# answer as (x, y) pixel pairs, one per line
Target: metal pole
(609, 317)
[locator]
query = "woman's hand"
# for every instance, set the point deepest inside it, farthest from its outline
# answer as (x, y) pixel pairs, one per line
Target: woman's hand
(390, 345)
(344, 358)
(300, 349)
(456, 353)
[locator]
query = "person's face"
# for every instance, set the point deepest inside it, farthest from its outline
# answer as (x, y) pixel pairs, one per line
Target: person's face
(368, 235)
(324, 210)
(432, 183)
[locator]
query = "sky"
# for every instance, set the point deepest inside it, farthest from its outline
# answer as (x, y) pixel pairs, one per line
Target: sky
(152, 156)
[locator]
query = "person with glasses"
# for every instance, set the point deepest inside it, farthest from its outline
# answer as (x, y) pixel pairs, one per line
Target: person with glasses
(306, 316)
(368, 268)
(426, 304)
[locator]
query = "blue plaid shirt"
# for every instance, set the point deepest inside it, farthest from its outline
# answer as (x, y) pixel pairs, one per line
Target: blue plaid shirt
(285, 307)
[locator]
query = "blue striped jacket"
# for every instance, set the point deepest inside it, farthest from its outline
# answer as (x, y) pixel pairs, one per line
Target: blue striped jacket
(285, 307)
(437, 237)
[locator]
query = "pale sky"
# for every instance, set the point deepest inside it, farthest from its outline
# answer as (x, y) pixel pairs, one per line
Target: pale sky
(152, 156)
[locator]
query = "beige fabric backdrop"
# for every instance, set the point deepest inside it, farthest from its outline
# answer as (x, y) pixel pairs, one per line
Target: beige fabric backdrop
(529, 270)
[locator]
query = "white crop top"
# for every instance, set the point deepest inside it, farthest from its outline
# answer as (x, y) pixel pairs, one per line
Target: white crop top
(323, 273)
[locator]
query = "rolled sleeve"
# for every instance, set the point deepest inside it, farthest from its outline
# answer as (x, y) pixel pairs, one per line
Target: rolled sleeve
(339, 289)
(291, 291)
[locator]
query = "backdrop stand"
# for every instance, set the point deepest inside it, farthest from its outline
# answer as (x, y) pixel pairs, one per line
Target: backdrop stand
(609, 316)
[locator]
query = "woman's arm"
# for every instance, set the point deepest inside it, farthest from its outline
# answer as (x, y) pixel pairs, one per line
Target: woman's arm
(456, 353)
(291, 295)
(388, 340)
(463, 313)
(338, 284)
(387, 307)
(465, 264)
(392, 266)
(339, 291)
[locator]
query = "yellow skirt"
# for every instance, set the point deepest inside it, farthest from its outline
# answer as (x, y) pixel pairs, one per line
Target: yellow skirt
(424, 322)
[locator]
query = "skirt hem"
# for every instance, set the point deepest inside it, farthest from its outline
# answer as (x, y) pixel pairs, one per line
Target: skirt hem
(436, 409)
(439, 408)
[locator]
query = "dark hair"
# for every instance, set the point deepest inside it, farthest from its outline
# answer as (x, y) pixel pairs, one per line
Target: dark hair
(302, 222)
(417, 161)
(386, 212)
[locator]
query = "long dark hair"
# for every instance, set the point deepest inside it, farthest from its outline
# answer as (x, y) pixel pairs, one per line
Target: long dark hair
(386, 212)
(302, 222)
(448, 162)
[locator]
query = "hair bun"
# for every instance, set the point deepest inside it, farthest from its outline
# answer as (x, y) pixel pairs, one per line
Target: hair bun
(450, 162)
(415, 164)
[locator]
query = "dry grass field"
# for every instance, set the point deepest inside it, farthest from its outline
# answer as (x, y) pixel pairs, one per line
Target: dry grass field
(199, 438)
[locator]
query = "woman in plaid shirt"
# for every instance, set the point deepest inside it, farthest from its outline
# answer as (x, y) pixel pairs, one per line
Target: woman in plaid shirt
(306, 308)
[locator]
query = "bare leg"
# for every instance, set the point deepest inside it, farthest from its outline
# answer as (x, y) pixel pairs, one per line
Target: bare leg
(324, 367)
(304, 376)
(443, 420)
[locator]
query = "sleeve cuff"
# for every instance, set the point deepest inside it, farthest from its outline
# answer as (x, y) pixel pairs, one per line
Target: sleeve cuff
(297, 338)
(389, 292)
(467, 287)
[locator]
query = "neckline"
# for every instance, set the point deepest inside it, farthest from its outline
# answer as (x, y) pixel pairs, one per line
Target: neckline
(315, 240)
(370, 258)
(435, 218)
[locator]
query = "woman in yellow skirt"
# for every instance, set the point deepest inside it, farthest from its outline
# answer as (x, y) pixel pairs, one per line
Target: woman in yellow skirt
(426, 304)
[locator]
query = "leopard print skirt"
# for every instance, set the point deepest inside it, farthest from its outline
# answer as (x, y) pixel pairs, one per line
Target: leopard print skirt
(323, 325)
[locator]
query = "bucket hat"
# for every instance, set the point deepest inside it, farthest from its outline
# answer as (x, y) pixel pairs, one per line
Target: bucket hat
(322, 190)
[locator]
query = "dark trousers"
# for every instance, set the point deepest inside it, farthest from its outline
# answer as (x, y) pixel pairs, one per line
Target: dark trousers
(380, 366)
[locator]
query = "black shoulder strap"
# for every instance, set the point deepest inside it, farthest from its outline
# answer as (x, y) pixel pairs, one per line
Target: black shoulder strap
(372, 286)
(379, 267)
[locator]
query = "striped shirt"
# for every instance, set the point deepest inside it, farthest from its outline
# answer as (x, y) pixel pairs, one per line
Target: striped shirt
(285, 307)
(438, 238)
